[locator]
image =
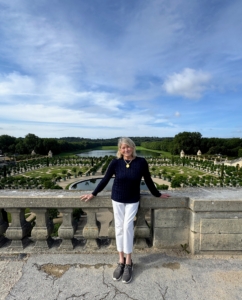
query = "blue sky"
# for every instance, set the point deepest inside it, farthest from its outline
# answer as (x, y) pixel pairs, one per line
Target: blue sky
(108, 68)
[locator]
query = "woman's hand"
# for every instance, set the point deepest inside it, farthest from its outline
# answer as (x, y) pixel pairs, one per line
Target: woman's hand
(87, 197)
(164, 196)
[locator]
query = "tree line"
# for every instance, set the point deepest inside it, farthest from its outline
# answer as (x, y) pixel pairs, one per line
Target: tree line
(11, 145)
(191, 142)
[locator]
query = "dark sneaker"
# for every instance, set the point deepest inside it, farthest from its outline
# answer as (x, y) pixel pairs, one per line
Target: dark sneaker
(118, 272)
(127, 275)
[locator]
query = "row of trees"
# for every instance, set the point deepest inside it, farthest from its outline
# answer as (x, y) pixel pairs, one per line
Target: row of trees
(11, 145)
(191, 142)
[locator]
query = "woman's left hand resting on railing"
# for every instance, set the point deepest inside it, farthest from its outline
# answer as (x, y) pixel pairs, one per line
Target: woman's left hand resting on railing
(165, 196)
(87, 197)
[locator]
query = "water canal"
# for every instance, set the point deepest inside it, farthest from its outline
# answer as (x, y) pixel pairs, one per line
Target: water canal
(102, 153)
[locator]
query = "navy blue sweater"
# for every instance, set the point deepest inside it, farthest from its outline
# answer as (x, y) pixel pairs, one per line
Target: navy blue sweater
(126, 186)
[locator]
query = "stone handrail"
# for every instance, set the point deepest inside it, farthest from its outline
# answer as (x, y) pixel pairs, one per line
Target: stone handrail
(208, 220)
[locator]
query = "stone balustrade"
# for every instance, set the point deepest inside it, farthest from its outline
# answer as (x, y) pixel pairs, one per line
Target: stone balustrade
(198, 220)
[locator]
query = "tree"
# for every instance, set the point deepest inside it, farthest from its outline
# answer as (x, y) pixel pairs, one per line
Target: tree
(187, 141)
(31, 141)
(51, 144)
(7, 143)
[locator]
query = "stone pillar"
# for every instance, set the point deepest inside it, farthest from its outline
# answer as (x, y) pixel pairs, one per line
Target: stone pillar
(66, 230)
(19, 227)
(91, 231)
(111, 232)
(43, 228)
(142, 230)
(3, 226)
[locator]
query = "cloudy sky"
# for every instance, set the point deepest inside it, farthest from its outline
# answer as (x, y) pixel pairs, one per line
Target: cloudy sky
(108, 68)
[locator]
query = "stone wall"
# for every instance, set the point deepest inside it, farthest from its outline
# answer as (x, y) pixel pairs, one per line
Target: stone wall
(197, 220)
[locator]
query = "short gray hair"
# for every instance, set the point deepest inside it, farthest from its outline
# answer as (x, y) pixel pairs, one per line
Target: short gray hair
(126, 141)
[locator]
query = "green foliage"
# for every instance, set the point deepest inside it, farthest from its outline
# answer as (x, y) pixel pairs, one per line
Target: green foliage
(74, 169)
(162, 186)
(185, 247)
(53, 213)
(55, 230)
(77, 212)
(189, 142)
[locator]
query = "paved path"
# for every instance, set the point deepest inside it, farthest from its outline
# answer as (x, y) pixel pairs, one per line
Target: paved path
(89, 277)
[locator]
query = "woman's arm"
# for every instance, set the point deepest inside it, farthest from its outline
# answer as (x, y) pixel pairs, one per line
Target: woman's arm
(108, 175)
(150, 184)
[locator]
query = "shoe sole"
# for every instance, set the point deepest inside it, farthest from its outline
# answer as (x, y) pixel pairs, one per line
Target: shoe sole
(117, 279)
(128, 281)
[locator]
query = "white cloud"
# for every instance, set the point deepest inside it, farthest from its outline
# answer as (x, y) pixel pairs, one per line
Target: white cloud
(189, 83)
(16, 84)
(177, 114)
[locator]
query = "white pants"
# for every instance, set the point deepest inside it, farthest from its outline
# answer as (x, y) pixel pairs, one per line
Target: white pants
(124, 214)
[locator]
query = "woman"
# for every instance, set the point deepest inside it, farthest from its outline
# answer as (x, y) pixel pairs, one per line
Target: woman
(128, 170)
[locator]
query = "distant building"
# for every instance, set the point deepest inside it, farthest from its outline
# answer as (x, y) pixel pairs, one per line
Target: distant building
(182, 154)
(199, 152)
(33, 153)
(50, 154)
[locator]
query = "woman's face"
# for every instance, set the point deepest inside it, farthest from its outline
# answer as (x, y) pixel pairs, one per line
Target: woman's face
(126, 151)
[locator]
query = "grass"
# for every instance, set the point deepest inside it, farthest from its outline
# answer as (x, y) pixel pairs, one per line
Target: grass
(49, 171)
(107, 148)
(68, 154)
(163, 153)
(177, 170)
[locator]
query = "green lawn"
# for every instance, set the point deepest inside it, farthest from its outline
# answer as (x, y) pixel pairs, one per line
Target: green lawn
(166, 154)
(48, 171)
(175, 170)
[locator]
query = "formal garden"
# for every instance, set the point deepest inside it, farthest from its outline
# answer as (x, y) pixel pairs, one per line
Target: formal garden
(195, 172)
(46, 173)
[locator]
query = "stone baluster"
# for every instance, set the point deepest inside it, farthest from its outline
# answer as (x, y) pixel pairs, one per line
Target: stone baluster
(43, 228)
(111, 232)
(142, 231)
(19, 227)
(66, 230)
(91, 230)
(3, 226)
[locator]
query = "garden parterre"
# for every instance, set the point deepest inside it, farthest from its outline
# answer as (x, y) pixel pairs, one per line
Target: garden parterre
(47, 172)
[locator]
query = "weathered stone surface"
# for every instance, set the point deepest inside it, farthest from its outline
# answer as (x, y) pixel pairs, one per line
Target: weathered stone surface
(221, 242)
(203, 217)
(171, 217)
(148, 201)
(165, 238)
(221, 226)
(216, 205)
(42, 229)
(66, 230)
(19, 227)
